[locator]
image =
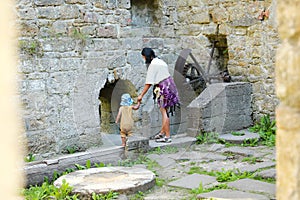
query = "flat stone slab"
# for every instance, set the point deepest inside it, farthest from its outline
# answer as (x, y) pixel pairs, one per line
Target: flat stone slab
(257, 166)
(251, 185)
(193, 181)
(239, 139)
(162, 160)
(268, 173)
(239, 151)
(232, 194)
(126, 180)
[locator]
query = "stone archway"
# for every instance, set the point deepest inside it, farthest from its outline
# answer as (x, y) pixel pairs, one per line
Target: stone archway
(109, 97)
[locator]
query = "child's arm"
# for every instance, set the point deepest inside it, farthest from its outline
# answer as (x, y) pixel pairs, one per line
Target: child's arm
(118, 116)
(136, 106)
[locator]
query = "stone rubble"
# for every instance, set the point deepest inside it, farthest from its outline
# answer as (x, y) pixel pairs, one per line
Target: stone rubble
(173, 169)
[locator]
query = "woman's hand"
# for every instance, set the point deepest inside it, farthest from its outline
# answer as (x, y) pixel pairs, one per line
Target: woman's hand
(139, 99)
(146, 88)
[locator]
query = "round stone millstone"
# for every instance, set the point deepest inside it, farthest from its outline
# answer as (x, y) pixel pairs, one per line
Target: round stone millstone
(102, 180)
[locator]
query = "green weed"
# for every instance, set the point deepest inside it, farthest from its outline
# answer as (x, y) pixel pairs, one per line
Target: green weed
(98, 165)
(231, 175)
(237, 134)
(268, 180)
(199, 170)
(159, 182)
(78, 35)
(250, 142)
(138, 196)
(266, 128)
(107, 196)
(30, 47)
(71, 149)
(201, 189)
(167, 149)
(29, 158)
(193, 163)
(207, 138)
(223, 176)
(251, 160)
(48, 191)
(142, 159)
(81, 167)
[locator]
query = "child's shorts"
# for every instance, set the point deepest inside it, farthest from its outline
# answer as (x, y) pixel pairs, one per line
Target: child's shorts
(125, 133)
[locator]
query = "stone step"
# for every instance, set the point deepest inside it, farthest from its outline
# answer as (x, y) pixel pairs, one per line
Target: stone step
(181, 140)
(239, 139)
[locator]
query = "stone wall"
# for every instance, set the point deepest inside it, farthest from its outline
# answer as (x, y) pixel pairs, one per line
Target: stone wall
(72, 49)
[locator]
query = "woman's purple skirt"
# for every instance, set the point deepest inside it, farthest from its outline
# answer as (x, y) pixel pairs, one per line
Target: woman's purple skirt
(167, 95)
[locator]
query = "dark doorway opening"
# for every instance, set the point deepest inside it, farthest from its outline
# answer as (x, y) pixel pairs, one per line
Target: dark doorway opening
(110, 97)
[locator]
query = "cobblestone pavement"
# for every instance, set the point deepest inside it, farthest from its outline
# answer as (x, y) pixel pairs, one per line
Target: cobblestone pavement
(182, 172)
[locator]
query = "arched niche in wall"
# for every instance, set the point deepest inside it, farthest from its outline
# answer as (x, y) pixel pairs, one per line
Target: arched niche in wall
(110, 97)
(144, 13)
(220, 57)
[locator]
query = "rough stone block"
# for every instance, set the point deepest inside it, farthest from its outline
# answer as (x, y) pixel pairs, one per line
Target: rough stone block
(60, 27)
(48, 13)
(58, 45)
(36, 85)
(91, 17)
(76, 1)
(222, 107)
(69, 12)
(133, 43)
(40, 142)
(29, 28)
(238, 89)
(199, 15)
(124, 4)
(48, 2)
(27, 13)
(59, 82)
(135, 142)
(88, 30)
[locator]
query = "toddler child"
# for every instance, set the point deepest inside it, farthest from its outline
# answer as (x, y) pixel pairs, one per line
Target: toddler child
(125, 114)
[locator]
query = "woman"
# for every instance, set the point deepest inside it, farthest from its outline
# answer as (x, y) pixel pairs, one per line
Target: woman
(164, 91)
